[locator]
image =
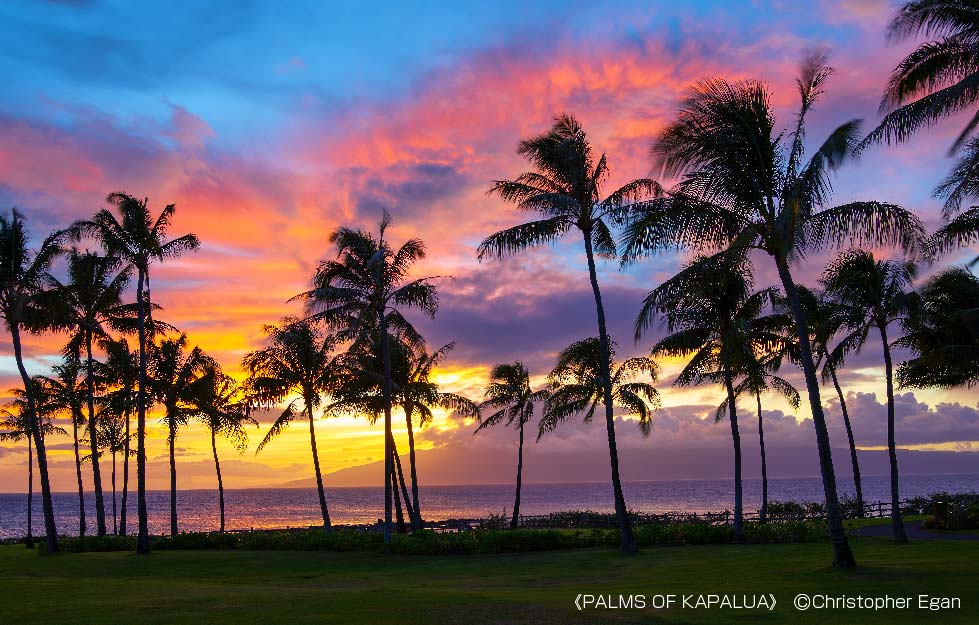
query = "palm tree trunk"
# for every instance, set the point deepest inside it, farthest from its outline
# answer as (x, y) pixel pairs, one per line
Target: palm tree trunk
(78, 476)
(93, 437)
(115, 526)
(50, 530)
(327, 526)
(143, 532)
(842, 555)
(854, 461)
(416, 522)
(736, 438)
(516, 497)
(897, 522)
(401, 482)
(172, 441)
(217, 469)
(628, 539)
(764, 465)
(399, 511)
(30, 494)
(125, 481)
(386, 358)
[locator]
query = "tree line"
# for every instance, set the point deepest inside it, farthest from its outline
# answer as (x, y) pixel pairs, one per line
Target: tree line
(746, 194)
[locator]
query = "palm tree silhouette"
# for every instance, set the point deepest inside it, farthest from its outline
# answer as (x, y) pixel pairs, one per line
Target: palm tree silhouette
(23, 273)
(121, 373)
(872, 295)
(113, 433)
(139, 240)
(216, 399)
(359, 294)
(299, 360)
(942, 333)
(92, 300)
(743, 187)
(565, 190)
(17, 425)
(825, 323)
(962, 227)
(716, 321)
(510, 395)
(173, 372)
(67, 393)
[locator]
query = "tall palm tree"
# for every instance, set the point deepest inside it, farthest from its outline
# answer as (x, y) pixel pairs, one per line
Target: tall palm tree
(92, 302)
(509, 394)
(17, 425)
(298, 359)
(139, 240)
(113, 437)
(120, 373)
(360, 294)
(67, 392)
(23, 273)
(825, 323)
(565, 190)
(717, 321)
(216, 399)
(872, 295)
(174, 369)
(942, 333)
(745, 185)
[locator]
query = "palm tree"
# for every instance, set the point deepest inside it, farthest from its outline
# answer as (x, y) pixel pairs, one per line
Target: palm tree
(299, 360)
(120, 371)
(67, 393)
(138, 240)
(825, 323)
(716, 320)
(510, 395)
(565, 190)
(942, 333)
(360, 294)
(92, 300)
(961, 228)
(114, 437)
(18, 425)
(743, 187)
(173, 372)
(23, 273)
(872, 294)
(216, 399)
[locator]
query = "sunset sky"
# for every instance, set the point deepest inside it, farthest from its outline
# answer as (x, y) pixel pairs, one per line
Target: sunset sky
(269, 125)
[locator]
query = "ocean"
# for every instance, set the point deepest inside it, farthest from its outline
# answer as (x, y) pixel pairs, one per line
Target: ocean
(296, 507)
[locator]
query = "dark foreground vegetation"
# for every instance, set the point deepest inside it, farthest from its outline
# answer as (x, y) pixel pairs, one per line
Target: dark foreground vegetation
(244, 587)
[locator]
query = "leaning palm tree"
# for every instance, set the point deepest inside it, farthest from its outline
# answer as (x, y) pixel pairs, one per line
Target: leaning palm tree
(943, 333)
(174, 369)
(360, 294)
(509, 394)
(716, 321)
(120, 374)
(139, 240)
(92, 302)
(299, 360)
(743, 184)
(825, 323)
(67, 392)
(216, 399)
(17, 425)
(872, 295)
(113, 437)
(565, 191)
(23, 273)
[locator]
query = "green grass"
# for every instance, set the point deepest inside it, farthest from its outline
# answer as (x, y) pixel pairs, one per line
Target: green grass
(271, 587)
(852, 524)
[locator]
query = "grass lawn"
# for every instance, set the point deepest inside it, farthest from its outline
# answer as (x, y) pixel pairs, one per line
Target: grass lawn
(270, 588)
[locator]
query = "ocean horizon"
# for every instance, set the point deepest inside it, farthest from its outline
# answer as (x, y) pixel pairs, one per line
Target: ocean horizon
(279, 507)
